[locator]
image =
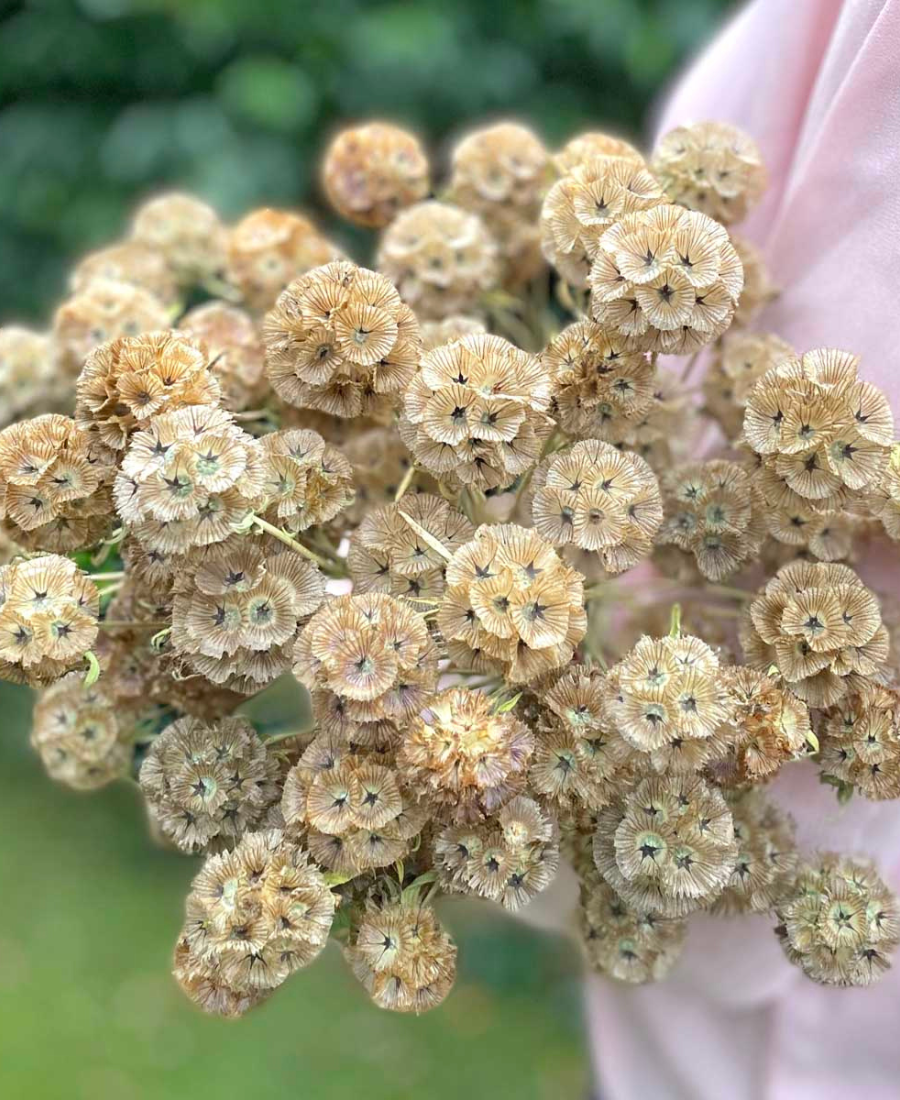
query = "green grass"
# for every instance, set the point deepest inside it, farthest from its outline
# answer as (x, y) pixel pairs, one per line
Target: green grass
(88, 1011)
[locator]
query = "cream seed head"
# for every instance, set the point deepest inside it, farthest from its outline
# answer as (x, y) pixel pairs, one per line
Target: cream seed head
(268, 249)
(254, 916)
(476, 412)
(599, 499)
(603, 388)
(55, 485)
(667, 278)
(402, 956)
(128, 381)
(714, 512)
(186, 232)
(839, 922)
(83, 739)
(817, 427)
(510, 600)
(820, 626)
(581, 206)
(667, 845)
(371, 172)
(441, 258)
(341, 340)
(630, 944)
(48, 619)
(712, 167)
(206, 785)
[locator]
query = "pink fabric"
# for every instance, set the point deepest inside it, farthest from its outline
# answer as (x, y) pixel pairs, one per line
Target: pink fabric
(817, 84)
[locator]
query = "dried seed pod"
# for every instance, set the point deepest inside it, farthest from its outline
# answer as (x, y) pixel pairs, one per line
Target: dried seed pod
(255, 915)
(373, 653)
(208, 784)
(803, 524)
(861, 741)
(820, 430)
(55, 485)
(126, 382)
(508, 859)
(48, 619)
(83, 739)
(603, 389)
(666, 277)
(669, 700)
(267, 249)
(766, 858)
(236, 615)
(501, 173)
(201, 981)
(715, 512)
(401, 954)
(628, 943)
(581, 206)
(371, 172)
(819, 626)
(737, 365)
(839, 922)
(667, 845)
(465, 758)
(347, 796)
(510, 600)
(441, 258)
(307, 481)
(27, 374)
(588, 146)
(769, 726)
(340, 340)
(475, 414)
(190, 478)
(388, 555)
(236, 352)
(131, 262)
(712, 167)
(599, 499)
(102, 312)
(581, 758)
(186, 232)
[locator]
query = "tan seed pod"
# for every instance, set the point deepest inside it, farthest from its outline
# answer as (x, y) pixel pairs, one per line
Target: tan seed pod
(341, 340)
(186, 232)
(667, 278)
(839, 922)
(712, 167)
(83, 739)
(371, 172)
(267, 249)
(441, 258)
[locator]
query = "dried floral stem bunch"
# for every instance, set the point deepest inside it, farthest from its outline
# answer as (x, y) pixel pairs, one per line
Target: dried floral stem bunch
(412, 493)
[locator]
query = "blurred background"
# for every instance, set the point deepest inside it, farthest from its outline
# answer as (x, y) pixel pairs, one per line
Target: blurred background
(103, 102)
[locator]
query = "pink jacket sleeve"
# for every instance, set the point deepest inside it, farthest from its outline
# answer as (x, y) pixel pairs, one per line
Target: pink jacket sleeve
(817, 84)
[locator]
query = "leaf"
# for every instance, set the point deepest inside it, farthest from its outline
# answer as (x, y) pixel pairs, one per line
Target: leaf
(93, 670)
(504, 708)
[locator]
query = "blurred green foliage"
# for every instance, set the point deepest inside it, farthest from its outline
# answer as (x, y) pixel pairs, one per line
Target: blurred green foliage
(103, 102)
